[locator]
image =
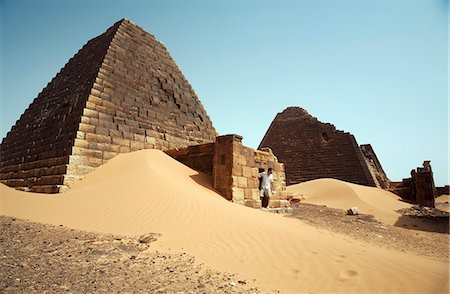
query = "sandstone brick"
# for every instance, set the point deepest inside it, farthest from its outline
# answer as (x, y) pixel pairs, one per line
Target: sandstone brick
(86, 128)
(84, 170)
(108, 155)
(81, 143)
(94, 162)
(242, 182)
(121, 142)
(124, 149)
(90, 113)
(134, 146)
(98, 138)
(238, 193)
(247, 171)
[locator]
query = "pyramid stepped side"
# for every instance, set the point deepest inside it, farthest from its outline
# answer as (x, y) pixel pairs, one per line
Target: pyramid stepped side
(35, 153)
(311, 149)
(140, 99)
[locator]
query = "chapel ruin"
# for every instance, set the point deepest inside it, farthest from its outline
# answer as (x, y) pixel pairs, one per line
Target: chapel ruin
(121, 92)
(234, 170)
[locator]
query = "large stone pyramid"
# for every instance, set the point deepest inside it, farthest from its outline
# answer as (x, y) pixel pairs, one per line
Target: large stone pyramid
(121, 92)
(311, 150)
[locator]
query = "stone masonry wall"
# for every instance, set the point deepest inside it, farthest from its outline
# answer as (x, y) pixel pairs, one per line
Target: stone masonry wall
(311, 149)
(140, 99)
(235, 169)
(122, 92)
(419, 188)
(198, 157)
(375, 168)
(35, 153)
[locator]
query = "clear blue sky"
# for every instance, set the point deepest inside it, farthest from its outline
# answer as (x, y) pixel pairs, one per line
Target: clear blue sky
(377, 69)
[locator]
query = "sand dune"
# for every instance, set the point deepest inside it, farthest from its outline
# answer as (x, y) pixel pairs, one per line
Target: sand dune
(339, 194)
(147, 191)
(443, 198)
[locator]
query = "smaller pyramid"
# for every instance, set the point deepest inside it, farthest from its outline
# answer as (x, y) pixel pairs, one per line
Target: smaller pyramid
(311, 149)
(121, 92)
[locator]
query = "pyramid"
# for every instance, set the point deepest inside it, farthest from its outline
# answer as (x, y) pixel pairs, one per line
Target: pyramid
(311, 150)
(121, 92)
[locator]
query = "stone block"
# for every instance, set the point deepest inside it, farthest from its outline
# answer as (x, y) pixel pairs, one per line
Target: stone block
(124, 149)
(134, 146)
(83, 170)
(247, 171)
(108, 155)
(238, 193)
(86, 128)
(242, 182)
(98, 138)
(81, 143)
(121, 142)
(94, 162)
(139, 138)
(255, 194)
(90, 113)
(150, 140)
(242, 160)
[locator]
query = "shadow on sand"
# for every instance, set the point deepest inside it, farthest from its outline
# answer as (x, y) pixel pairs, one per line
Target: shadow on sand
(425, 223)
(204, 180)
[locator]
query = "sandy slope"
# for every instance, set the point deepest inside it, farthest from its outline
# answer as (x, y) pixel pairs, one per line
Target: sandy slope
(339, 194)
(147, 191)
(443, 198)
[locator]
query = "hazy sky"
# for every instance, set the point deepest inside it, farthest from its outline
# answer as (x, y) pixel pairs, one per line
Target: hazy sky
(376, 69)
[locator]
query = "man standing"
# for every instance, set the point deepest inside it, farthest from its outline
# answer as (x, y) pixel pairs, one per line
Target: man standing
(266, 189)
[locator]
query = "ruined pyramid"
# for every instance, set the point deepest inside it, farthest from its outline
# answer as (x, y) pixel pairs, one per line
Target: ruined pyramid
(311, 149)
(121, 92)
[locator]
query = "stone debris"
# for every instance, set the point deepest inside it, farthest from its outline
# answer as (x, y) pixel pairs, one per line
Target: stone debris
(148, 238)
(353, 211)
(424, 211)
(411, 238)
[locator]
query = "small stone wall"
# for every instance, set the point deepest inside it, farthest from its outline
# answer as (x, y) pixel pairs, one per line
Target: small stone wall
(444, 190)
(419, 188)
(234, 169)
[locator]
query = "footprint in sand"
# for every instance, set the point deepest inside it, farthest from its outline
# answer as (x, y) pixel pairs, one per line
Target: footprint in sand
(295, 272)
(347, 275)
(339, 258)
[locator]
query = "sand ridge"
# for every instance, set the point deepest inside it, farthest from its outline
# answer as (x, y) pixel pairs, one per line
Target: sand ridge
(147, 191)
(339, 194)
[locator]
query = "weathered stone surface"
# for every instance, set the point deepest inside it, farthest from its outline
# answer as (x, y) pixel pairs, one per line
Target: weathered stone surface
(121, 92)
(419, 188)
(234, 168)
(311, 149)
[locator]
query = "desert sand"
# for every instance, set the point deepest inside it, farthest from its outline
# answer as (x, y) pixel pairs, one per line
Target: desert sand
(339, 194)
(147, 191)
(443, 198)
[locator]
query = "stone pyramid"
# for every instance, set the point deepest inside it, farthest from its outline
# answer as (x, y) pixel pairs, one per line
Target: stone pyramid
(121, 92)
(311, 150)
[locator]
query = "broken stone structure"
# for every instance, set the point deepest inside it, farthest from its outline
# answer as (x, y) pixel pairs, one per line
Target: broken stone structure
(234, 169)
(419, 188)
(375, 168)
(121, 92)
(311, 150)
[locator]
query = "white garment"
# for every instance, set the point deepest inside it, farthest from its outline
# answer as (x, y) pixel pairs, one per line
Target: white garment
(266, 180)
